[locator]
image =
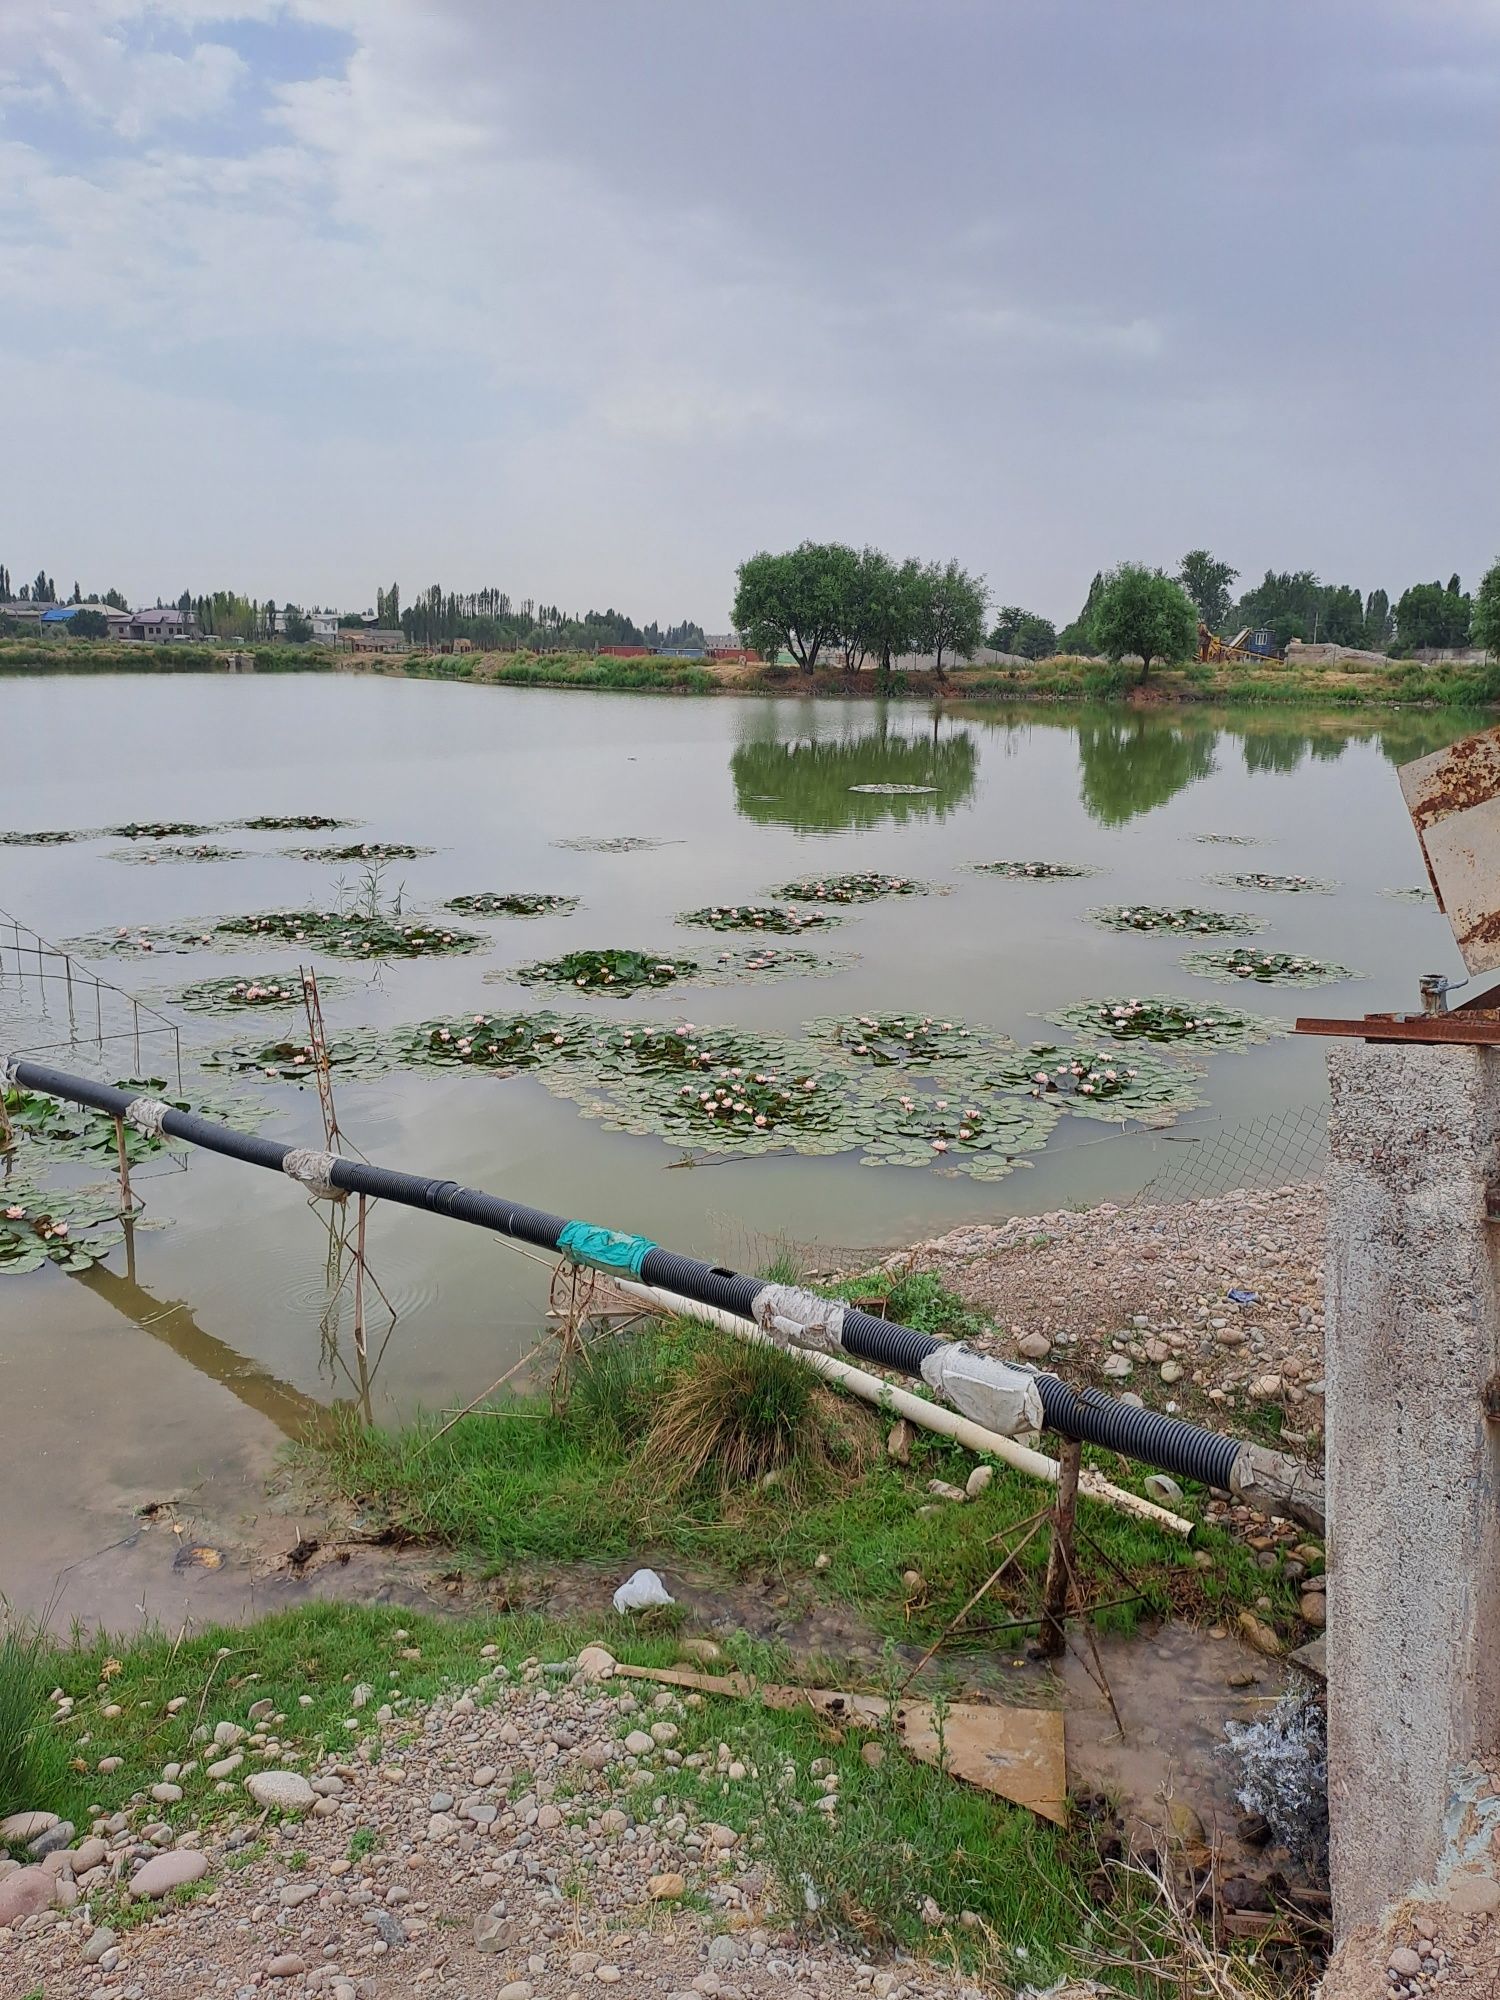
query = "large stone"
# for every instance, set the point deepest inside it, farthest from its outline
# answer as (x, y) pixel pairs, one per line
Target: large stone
(285, 1791)
(102, 1940)
(55, 1836)
(25, 1826)
(169, 1871)
(26, 1892)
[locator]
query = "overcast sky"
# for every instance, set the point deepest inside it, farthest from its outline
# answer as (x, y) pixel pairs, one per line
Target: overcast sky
(592, 298)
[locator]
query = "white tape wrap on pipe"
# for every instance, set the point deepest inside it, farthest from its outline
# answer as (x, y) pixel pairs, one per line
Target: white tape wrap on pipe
(1000, 1397)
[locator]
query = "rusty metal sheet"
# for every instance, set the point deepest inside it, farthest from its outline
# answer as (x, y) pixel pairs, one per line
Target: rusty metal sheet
(1453, 797)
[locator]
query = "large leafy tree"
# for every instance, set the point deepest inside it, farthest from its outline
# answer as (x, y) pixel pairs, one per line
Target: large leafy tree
(1026, 633)
(949, 606)
(86, 623)
(1430, 616)
(1206, 581)
(1341, 616)
(791, 601)
(1486, 619)
(1145, 612)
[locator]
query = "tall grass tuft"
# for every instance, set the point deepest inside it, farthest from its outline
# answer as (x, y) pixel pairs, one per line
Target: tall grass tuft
(28, 1754)
(736, 1413)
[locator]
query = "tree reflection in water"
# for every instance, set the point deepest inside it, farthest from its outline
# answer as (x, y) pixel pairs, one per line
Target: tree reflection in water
(811, 784)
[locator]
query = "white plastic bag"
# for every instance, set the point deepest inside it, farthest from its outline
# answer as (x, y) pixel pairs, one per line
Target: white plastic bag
(641, 1591)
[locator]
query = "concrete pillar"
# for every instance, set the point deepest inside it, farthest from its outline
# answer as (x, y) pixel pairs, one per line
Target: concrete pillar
(1413, 1337)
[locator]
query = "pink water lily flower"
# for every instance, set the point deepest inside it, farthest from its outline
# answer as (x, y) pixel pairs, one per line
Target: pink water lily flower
(15, 1214)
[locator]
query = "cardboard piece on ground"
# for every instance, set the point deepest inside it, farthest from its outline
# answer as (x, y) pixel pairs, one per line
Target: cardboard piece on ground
(1016, 1753)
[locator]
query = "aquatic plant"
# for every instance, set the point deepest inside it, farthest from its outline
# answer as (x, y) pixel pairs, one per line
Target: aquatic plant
(51, 1130)
(619, 971)
(502, 1042)
(1416, 893)
(903, 1039)
(157, 829)
(73, 1229)
(290, 1058)
(241, 996)
(351, 933)
(361, 850)
(293, 823)
(947, 1122)
(200, 851)
(619, 843)
(1268, 968)
(755, 917)
(1276, 885)
(1164, 1019)
(863, 887)
(1040, 871)
(54, 837)
(511, 903)
(1094, 1084)
(1226, 839)
(1148, 918)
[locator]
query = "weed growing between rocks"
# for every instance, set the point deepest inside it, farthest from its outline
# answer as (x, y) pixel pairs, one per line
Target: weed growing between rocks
(1164, 1019)
(1267, 968)
(512, 903)
(1146, 918)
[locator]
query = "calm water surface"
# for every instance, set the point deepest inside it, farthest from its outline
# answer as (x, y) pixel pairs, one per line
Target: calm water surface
(115, 1391)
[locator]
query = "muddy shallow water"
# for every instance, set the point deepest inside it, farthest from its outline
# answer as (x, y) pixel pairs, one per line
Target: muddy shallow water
(177, 1375)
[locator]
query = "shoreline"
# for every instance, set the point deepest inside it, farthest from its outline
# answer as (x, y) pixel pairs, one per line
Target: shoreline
(1398, 685)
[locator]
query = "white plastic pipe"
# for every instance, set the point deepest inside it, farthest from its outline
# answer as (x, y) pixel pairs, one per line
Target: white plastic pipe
(916, 1409)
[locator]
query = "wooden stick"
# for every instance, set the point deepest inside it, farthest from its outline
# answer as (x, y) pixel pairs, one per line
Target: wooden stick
(989, 1583)
(1053, 1635)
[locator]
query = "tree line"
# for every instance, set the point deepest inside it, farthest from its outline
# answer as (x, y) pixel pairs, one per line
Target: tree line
(492, 623)
(824, 598)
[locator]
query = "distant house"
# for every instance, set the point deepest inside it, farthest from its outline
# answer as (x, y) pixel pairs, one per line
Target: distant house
(57, 615)
(163, 623)
(325, 626)
(372, 639)
(23, 610)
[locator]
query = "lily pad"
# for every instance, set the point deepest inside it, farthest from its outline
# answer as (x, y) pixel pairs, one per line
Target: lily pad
(252, 994)
(755, 917)
(352, 934)
(904, 1040)
(359, 1052)
(619, 843)
(293, 823)
(199, 851)
(617, 972)
(49, 1130)
(1267, 968)
(945, 1122)
(511, 903)
(1226, 839)
(1416, 893)
(157, 829)
(863, 887)
(53, 837)
(362, 850)
(72, 1230)
(1033, 871)
(1204, 1024)
(498, 1042)
(1094, 1083)
(1276, 885)
(1144, 917)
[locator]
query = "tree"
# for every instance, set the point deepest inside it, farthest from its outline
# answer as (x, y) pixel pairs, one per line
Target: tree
(295, 628)
(1079, 636)
(1207, 582)
(1379, 625)
(115, 600)
(790, 600)
(1145, 612)
(1341, 616)
(1486, 619)
(42, 591)
(88, 624)
(1429, 616)
(5, 596)
(1024, 632)
(948, 606)
(77, 597)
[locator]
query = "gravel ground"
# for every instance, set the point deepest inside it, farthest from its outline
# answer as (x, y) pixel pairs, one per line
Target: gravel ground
(523, 1852)
(1446, 1949)
(1137, 1300)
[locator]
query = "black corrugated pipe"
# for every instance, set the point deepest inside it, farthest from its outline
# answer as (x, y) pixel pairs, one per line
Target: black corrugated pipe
(1164, 1442)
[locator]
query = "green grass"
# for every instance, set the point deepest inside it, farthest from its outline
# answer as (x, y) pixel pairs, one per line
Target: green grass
(516, 1487)
(30, 1760)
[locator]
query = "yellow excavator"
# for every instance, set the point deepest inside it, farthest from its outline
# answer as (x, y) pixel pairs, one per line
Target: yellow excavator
(1247, 644)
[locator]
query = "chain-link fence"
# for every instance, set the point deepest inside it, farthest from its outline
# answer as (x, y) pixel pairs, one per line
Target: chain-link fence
(1286, 1149)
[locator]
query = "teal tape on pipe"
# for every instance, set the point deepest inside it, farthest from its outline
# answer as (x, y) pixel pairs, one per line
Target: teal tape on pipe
(604, 1249)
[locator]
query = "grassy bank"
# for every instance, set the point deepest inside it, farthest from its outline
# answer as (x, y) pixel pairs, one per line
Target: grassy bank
(1350, 684)
(675, 1442)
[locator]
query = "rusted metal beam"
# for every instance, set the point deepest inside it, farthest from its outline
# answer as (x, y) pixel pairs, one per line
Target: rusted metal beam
(1467, 1030)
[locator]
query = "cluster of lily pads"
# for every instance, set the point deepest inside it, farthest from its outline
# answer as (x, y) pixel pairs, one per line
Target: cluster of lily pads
(907, 1040)
(197, 851)
(158, 829)
(171, 829)
(73, 1229)
(244, 996)
(619, 971)
(1276, 885)
(47, 1130)
(1164, 1019)
(1226, 839)
(48, 837)
(293, 823)
(1267, 968)
(1416, 892)
(1148, 918)
(341, 933)
(864, 886)
(362, 850)
(1033, 871)
(514, 903)
(755, 917)
(618, 843)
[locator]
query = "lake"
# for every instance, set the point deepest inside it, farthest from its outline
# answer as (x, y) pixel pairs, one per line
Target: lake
(124, 1390)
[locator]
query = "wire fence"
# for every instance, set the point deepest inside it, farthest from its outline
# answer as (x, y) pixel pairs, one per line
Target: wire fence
(1286, 1149)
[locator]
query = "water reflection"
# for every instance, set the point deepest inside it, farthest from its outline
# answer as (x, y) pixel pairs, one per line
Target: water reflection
(813, 782)
(1128, 765)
